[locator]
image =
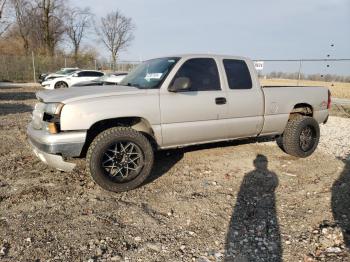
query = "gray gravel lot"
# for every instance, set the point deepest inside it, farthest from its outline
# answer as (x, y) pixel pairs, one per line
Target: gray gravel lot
(335, 137)
(234, 201)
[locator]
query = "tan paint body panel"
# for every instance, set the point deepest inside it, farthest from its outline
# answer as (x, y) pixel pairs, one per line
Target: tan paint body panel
(280, 101)
(82, 114)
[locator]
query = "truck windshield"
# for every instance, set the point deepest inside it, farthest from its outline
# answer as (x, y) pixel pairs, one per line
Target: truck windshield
(150, 74)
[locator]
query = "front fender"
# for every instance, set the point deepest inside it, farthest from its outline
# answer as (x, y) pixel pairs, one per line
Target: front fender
(81, 115)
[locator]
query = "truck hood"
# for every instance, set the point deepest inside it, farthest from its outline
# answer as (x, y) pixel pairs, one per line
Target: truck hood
(80, 93)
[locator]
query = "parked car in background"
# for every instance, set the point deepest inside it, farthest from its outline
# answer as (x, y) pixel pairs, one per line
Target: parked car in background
(108, 79)
(116, 77)
(60, 73)
(72, 79)
(166, 103)
(42, 77)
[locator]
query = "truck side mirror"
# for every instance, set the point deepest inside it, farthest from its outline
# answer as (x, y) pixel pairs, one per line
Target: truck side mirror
(180, 84)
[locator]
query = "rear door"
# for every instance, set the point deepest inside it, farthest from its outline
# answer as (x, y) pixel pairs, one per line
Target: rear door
(78, 78)
(86, 76)
(93, 75)
(194, 115)
(245, 99)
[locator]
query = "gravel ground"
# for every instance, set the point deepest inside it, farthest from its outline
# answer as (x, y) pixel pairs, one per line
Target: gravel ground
(335, 138)
(238, 201)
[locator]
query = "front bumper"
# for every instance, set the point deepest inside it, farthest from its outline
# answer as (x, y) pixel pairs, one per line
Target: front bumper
(47, 85)
(51, 148)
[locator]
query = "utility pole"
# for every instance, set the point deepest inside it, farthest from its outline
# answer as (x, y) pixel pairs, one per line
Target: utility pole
(299, 74)
(34, 73)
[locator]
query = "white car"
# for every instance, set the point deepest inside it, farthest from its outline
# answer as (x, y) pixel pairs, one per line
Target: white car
(108, 79)
(61, 73)
(115, 77)
(72, 79)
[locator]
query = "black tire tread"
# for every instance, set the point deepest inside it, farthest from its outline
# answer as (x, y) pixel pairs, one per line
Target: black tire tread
(120, 132)
(56, 85)
(291, 136)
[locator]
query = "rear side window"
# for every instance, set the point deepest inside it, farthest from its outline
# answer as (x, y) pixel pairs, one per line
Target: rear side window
(238, 74)
(90, 74)
(98, 74)
(202, 72)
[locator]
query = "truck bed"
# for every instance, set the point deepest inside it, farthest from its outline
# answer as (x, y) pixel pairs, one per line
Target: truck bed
(280, 101)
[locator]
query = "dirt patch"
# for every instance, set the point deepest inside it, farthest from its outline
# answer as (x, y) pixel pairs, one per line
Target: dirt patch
(234, 201)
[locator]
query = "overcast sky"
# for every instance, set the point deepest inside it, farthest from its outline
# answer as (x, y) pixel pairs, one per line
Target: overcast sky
(269, 29)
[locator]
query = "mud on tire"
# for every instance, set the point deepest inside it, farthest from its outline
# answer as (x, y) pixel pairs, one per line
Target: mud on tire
(119, 159)
(301, 136)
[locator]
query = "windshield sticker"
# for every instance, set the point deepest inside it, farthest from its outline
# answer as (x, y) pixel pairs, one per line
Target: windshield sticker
(148, 77)
(171, 61)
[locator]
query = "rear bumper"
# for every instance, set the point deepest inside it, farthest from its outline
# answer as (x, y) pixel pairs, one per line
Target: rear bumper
(52, 148)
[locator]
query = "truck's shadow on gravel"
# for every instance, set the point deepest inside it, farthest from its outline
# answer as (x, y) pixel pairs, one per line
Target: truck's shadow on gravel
(17, 96)
(341, 202)
(6, 109)
(165, 160)
(254, 231)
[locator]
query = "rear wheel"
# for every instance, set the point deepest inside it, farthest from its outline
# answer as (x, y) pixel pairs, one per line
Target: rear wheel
(279, 141)
(61, 84)
(300, 137)
(120, 159)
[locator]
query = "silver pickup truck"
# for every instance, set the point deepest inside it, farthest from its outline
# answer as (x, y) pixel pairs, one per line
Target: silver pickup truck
(166, 103)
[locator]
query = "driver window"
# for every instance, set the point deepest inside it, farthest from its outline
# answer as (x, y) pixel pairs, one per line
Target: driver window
(202, 72)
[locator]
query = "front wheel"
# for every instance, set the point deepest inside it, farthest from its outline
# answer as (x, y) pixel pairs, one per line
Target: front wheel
(61, 84)
(120, 159)
(301, 136)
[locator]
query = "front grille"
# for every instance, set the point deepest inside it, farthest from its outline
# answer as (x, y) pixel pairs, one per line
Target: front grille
(38, 115)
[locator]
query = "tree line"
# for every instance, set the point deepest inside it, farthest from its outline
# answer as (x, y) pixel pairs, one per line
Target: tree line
(313, 77)
(53, 28)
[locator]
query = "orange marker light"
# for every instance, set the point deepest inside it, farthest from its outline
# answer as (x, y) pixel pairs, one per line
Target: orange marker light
(52, 128)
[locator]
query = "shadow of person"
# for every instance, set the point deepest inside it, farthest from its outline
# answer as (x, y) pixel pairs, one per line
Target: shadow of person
(253, 233)
(341, 202)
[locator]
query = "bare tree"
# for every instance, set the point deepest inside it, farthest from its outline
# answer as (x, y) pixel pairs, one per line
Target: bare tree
(23, 10)
(52, 14)
(116, 32)
(4, 22)
(77, 23)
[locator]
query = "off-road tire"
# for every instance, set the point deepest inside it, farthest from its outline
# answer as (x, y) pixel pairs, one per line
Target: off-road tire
(98, 147)
(291, 139)
(61, 84)
(279, 142)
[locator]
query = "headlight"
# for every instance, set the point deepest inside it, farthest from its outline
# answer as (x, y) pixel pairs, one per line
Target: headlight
(54, 108)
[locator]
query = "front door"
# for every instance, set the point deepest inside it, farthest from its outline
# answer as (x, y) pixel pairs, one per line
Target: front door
(194, 115)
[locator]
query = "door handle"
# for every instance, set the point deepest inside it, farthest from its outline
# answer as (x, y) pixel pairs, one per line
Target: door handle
(220, 100)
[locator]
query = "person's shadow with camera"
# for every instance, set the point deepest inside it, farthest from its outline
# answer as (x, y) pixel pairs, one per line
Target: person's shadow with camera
(341, 202)
(253, 233)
